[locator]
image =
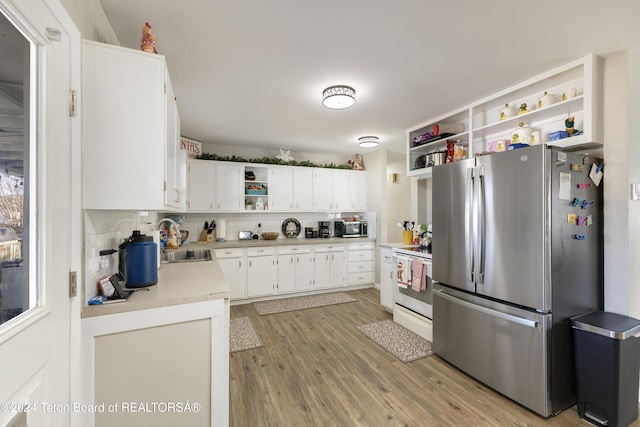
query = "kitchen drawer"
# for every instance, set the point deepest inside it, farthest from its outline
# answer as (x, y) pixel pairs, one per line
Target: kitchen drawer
(360, 278)
(328, 248)
(229, 253)
(360, 256)
(261, 251)
(386, 255)
(359, 246)
(290, 250)
(359, 266)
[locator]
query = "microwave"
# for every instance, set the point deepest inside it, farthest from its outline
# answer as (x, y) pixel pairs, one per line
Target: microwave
(350, 229)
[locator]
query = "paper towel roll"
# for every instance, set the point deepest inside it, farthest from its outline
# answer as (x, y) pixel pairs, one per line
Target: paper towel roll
(221, 229)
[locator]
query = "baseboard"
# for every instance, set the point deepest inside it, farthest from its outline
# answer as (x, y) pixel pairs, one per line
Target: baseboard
(414, 322)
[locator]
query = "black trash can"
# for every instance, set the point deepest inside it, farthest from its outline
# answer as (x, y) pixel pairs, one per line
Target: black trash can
(607, 356)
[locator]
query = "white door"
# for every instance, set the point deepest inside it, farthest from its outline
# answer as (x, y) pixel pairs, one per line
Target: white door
(322, 273)
(281, 188)
(202, 177)
(338, 268)
(341, 190)
(322, 189)
(286, 273)
(171, 191)
(358, 190)
(302, 188)
(229, 179)
(35, 346)
(236, 274)
(304, 272)
(262, 276)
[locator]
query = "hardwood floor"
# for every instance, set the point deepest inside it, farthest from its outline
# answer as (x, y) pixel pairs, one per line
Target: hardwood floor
(317, 369)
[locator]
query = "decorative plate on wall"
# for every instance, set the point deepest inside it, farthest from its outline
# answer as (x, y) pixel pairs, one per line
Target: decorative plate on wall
(291, 228)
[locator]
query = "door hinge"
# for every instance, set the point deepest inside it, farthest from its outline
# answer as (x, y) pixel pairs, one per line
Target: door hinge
(73, 103)
(73, 284)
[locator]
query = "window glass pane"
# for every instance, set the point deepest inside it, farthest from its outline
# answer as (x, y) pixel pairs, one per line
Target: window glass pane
(16, 296)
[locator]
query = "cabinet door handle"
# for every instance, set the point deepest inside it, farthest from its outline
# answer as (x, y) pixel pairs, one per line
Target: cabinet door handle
(297, 260)
(332, 257)
(260, 250)
(249, 263)
(239, 264)
(291, 260)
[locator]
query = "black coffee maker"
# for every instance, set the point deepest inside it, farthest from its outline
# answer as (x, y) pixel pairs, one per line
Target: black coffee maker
(324, 229)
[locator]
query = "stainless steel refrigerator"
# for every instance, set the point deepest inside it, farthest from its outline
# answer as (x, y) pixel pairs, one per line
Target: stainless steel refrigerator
(517, 250)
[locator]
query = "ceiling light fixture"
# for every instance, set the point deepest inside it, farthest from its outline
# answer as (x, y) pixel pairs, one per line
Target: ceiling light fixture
(338, 97)
(368, 141)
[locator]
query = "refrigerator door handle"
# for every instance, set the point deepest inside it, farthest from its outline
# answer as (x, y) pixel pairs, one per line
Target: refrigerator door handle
(481, 225)
(468, 225)
(495, 313)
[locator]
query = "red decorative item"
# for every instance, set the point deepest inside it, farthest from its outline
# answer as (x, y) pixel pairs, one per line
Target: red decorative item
(436, 130)
(450, 151)
(148, 42)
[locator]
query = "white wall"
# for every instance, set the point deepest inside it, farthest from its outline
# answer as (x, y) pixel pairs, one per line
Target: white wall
(398, 197)
(91, 20)
(622, 167)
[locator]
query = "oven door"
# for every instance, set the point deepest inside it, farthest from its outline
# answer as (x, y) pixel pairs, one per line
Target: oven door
(419, 302)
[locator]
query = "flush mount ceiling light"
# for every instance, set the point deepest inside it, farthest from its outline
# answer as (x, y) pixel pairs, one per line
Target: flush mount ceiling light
(368, 141)
(338, 97)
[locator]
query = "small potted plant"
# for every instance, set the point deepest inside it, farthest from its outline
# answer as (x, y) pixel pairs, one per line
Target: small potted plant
(249, 204)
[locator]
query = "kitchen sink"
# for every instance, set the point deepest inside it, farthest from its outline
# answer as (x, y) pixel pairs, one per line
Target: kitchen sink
(186, 256)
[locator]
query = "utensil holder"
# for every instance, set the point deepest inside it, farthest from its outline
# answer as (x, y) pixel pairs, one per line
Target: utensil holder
(407, 237)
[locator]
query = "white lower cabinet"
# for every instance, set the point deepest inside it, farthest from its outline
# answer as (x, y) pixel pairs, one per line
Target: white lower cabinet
(386, 278)
(233, 263)
(178, 353)
(262, 272)
(329, 265)
(295, 269)
(360, 263)
(270, 270)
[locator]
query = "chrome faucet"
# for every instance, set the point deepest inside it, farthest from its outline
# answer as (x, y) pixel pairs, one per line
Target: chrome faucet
(178, 235)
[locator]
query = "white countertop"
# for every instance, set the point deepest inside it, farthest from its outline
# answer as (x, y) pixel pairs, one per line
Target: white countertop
(178, 283)
(278, 242)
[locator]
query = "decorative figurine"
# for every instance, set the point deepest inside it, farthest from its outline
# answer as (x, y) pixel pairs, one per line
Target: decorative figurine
(523, 108)
(357, 163)
(569, 125)
(285, 156)
(148, 43)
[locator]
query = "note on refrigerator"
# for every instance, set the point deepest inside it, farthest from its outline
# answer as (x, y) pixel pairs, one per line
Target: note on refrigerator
(565, 186)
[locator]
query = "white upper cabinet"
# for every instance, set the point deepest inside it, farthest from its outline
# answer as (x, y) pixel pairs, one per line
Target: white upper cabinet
(341, 190)
(130, 131)
(280, 188)
(302, 189)
(358, 190)
(323, 189)
(542, 103)
(202, 191)
(222, 186)
(229, 186)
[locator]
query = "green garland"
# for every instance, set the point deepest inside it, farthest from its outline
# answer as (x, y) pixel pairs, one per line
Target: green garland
(270, 161)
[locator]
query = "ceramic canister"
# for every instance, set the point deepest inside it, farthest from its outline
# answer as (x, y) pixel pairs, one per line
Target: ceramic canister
(546, 100)
(521, 134)
(536, 137)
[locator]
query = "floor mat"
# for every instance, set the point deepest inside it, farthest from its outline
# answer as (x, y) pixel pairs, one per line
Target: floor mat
(242, 336)
(397, 340)
(300, 303)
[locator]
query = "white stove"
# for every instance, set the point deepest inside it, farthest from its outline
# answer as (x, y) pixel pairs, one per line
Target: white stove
(413, 309)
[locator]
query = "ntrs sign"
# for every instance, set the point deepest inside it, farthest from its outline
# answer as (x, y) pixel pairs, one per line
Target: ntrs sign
(193, 148)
